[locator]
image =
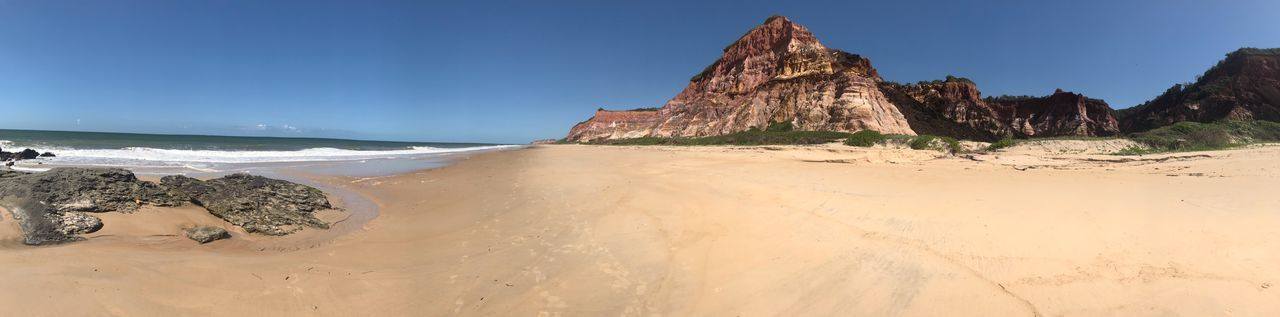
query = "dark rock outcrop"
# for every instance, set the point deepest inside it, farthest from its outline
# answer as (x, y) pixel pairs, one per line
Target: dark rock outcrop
(49, 206)
(777, 72)
(255, 203)
(25, 154)
(206, 234)
(81, 189)
(28, 154)
(1244, 86)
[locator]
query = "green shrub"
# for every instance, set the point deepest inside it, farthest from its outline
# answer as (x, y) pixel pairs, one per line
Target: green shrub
(922, 142)
(1133, 150)
(1194, 136)
(779, 127)
(953, 145)
(1003, 143)
(864, 138)
(926, 142)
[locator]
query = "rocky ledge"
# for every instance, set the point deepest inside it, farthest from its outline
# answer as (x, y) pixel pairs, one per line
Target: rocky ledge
(54, 206)
(26, 154)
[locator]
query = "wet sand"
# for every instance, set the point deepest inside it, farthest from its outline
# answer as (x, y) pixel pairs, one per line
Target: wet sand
(722, 231)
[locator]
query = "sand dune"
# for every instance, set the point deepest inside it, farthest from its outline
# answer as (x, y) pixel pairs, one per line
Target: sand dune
(720, 231)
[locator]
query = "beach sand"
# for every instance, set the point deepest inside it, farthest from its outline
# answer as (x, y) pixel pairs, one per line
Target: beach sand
(570, 230)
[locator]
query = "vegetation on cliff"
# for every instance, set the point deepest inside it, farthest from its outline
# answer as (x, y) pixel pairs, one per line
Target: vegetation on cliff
(1195, 136)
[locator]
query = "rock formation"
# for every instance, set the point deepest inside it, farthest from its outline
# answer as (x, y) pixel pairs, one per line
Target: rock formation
(952, 108)
(955, 107)
(26, 154)
(51, 206)
(1244, 86)
(206, 234)
(777, 72)
(608, 124)
(255, 203)
(1060, 114)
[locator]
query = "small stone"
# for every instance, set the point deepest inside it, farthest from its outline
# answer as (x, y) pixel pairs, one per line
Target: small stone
(207, 234)
(47, 154)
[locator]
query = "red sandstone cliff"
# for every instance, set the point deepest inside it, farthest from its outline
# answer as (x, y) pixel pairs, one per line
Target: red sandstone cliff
(955, 107)
(777, 72)
(1060, 114)
(608, 124)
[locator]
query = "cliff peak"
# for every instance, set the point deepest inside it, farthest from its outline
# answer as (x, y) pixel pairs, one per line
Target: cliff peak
(776, 72)
(1241, 86)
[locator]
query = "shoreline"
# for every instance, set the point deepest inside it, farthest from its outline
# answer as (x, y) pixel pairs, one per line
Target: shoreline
(779, 230)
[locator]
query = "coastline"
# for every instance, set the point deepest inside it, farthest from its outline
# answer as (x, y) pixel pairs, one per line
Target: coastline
(774, 230)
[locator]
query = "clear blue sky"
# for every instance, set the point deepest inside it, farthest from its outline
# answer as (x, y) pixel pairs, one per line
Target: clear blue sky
(523, 70)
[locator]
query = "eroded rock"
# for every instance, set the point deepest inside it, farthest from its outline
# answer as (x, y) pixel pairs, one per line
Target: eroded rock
(73, 223)
(206, 234)
(51, 206)
(255, 203)
(966, 114)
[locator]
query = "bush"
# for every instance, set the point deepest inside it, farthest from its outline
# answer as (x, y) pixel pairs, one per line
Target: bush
(1194, 136)
(927, 142)
(953, 145)
(779, 127)
(922, 142)
(1003, 143)
(1133, 150)
(864, 138)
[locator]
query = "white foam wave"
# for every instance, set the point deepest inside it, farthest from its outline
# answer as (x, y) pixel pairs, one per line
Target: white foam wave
(114, 156)
(28, 169)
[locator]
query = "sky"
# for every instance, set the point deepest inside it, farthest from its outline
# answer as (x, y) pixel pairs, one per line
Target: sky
(512, 72)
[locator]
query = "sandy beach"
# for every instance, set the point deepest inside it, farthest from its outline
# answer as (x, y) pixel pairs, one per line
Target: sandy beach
(569, 230)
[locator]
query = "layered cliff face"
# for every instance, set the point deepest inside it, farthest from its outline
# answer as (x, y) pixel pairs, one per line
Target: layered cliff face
(608, 124)
(1244, 86)
(965, 114)
(1060, 114)
(777, 72)
(951, 108)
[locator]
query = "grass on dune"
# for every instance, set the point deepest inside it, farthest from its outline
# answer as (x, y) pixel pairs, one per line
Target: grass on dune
(1195, 136)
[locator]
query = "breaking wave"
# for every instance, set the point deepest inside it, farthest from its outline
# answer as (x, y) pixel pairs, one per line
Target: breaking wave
(126, 156)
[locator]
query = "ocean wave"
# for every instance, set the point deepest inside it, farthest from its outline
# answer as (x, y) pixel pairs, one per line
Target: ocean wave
(142, 154)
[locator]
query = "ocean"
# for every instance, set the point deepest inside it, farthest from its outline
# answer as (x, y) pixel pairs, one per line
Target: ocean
(204, 154)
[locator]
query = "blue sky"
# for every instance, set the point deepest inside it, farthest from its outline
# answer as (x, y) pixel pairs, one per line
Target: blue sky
(523, 70)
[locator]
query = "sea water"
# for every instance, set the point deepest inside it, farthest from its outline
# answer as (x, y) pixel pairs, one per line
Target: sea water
(203, 155)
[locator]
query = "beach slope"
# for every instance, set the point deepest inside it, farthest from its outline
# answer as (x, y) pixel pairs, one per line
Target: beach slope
(572, 230)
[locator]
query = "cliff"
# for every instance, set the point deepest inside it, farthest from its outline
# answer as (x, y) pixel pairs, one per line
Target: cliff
(777, 72)
(780, 72)
(607, 124)
(1060, 114)
(955, 107)
(1243, 86)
